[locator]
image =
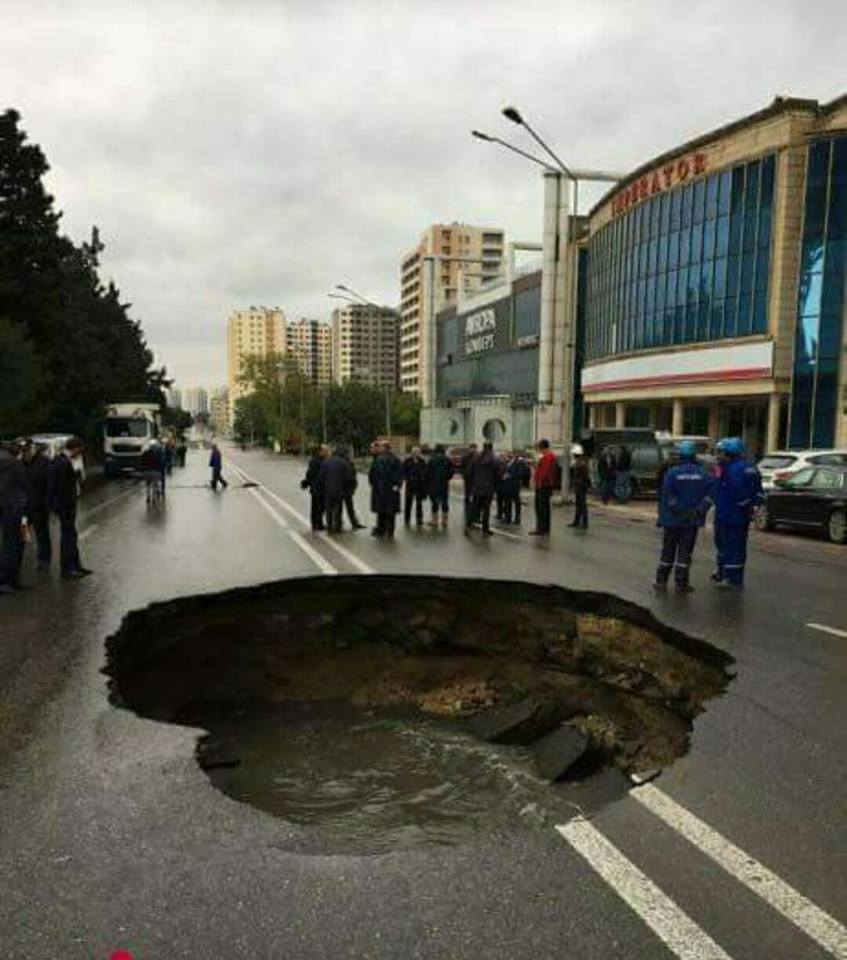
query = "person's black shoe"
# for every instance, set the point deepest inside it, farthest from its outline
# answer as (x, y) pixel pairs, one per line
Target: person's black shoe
(84, 571)
(573, 524)
(537, 533)
(358, 526)
(487, 533)
(72, 575)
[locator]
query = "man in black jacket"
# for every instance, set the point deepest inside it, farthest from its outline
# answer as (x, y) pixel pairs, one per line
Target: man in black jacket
(37, 469)
(439, 471)
(12, 517)
(414, 475)
(386, 479)
(64, 493)
(334, 478)
(465, 468)
(484, 475)
(312, 483)
(350, 491)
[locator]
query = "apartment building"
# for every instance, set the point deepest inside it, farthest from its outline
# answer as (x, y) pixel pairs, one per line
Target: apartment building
(365, 344)
(309, 342)
(258, 331)
(195, 400)
(219, 411)
(466, 258)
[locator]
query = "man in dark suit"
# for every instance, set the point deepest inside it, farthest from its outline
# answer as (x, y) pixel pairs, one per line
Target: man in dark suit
(63, 495)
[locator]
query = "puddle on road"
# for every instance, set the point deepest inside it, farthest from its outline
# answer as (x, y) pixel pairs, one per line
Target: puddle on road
(382, 713)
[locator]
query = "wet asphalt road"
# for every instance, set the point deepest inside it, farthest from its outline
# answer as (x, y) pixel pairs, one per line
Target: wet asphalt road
(111, 836)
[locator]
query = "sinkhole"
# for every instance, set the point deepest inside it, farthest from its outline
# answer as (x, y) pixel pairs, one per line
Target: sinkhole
(386, 712)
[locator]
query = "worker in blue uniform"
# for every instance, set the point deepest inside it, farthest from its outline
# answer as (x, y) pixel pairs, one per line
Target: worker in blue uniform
(739, 494)
(684, 501)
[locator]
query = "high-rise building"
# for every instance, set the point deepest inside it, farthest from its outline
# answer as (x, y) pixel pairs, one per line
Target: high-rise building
(219, 410)
(365, 344)
(309, 342)
(195, 400)
(259, 331)
(466, 257)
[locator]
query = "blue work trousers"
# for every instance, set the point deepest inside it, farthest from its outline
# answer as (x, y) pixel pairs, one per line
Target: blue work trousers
(731, 549)
(677, 548)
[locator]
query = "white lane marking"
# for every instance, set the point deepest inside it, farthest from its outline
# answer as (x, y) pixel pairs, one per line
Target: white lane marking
(679, 933)
(86, 532)
(308, 549)
(348, 555)
(813, 921)
(833, 630)
(135, 484)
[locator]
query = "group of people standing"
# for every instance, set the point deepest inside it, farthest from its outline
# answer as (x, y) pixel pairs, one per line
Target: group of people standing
(32, 487)
(688, 491)
(614, 472)
(412, 484)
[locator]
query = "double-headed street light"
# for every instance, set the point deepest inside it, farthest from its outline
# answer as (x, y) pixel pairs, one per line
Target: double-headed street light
(556, 348)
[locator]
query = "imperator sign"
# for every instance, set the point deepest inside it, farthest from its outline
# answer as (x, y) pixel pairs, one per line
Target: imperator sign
(480, 332)
(661, 179)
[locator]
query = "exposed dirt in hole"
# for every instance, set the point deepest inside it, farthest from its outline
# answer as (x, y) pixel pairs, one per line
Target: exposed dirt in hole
(450, 648)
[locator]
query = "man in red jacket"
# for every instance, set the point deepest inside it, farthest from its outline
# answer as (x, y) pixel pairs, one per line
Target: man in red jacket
(544, 479)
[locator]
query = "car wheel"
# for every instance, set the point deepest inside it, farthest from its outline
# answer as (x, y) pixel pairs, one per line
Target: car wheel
(836, 527)
(763, 519)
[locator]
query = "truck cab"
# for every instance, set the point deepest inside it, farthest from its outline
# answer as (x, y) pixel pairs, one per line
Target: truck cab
(128, 430)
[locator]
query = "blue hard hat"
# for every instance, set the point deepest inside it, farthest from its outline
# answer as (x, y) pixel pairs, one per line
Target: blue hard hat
(686, 450)
(732, 446)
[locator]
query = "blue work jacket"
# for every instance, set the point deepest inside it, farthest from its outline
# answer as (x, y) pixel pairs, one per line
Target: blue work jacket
(739, 492)
(686, 496)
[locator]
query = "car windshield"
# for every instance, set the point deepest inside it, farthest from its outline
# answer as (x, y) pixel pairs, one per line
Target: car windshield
(776, 463)
(126, 427)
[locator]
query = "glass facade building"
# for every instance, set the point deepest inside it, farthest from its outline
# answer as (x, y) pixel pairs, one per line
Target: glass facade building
(820, 308)
(688, 266)
(716, 296)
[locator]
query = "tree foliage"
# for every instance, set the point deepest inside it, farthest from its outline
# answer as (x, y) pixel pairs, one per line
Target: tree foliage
(283, 406)
(69, 337)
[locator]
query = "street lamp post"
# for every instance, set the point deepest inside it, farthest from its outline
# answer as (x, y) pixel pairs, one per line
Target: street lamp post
(557, 340)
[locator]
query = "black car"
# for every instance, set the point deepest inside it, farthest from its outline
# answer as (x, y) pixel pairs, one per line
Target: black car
(814, 498)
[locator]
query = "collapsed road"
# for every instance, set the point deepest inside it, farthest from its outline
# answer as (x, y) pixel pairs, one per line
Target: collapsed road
(113, 836)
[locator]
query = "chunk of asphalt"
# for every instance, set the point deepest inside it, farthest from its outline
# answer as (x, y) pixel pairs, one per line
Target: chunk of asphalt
(515, 723)
(556, 752)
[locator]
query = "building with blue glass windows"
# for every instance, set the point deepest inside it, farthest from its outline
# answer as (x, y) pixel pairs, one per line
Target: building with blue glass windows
(715, 285)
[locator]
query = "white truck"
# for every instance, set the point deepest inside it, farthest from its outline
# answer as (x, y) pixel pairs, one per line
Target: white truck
(128, 430)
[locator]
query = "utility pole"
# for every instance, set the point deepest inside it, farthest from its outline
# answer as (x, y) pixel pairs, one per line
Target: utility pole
(387, 410)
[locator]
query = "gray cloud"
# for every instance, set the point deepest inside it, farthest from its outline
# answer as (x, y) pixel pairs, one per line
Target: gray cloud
(262, 152)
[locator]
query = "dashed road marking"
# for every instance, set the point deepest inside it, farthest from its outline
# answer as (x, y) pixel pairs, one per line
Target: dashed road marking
(348, 555)
(813, 921)
(322, 564)
(825, 629)
(89, 512)
(679, 933)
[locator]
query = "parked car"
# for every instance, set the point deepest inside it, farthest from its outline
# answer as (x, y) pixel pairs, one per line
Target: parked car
(455, 454)
(811, 498)
(649, 450)
(781, 464)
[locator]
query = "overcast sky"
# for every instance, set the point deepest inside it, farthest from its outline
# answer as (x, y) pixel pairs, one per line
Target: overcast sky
(246, 152)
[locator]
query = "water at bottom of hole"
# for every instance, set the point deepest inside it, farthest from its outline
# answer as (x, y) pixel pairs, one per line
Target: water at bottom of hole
(372, 780)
